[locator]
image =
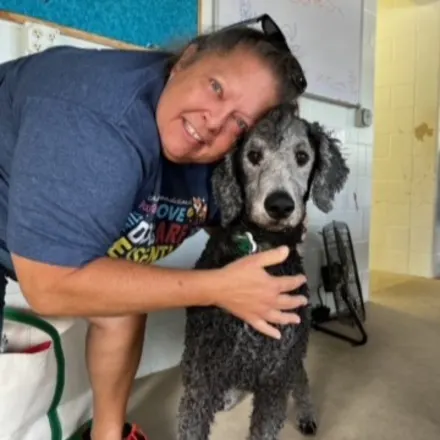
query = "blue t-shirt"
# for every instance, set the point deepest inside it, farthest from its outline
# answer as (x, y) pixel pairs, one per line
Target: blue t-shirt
(82, 173)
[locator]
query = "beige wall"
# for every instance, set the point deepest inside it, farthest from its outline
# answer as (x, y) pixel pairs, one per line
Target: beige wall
(405, 151)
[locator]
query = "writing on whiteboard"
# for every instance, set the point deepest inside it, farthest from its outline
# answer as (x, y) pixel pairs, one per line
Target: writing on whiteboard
(290, 31)
(331, 82)
(350, 84)
(246, 11)
(331, 63)
(328, 5)
(353, 82)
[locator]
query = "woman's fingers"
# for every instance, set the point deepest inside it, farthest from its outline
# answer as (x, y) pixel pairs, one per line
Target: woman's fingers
(289, 302)
(264, 327)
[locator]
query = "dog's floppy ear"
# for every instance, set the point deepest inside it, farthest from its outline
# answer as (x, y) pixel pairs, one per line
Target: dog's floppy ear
(331, 170)
(226, 189)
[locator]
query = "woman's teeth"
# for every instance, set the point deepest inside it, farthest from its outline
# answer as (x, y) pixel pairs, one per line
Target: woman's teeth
(192, 132)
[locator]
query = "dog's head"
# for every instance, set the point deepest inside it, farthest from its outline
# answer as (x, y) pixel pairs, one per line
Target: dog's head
(270, 174)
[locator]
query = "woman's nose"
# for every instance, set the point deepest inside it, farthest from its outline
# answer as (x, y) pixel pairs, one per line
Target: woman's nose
(217, 119)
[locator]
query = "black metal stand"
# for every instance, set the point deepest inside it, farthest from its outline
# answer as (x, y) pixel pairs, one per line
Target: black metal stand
(340, 257)
(355, 342)
(321, 315)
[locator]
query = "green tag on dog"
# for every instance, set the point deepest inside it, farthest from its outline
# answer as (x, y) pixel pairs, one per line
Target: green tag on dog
(246, 244)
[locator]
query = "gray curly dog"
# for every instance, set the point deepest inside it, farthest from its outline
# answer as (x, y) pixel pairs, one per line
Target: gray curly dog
(262, 188)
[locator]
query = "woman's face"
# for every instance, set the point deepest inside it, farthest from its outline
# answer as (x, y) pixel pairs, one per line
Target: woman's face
(207, 104)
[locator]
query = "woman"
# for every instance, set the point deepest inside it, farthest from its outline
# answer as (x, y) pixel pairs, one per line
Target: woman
(106, 159)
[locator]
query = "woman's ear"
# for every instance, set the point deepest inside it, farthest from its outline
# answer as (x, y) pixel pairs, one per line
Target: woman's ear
(226, 189)
(185, 59)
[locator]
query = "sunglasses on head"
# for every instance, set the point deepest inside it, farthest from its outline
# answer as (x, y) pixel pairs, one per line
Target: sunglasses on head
(276, 37)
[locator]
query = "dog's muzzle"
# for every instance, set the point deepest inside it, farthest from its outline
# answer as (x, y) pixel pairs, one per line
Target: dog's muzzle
(279, 205)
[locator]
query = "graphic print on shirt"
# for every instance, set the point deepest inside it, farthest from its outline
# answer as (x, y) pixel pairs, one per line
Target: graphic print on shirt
(158, 227)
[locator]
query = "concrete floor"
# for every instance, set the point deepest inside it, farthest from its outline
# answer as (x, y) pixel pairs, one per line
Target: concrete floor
(386, 390)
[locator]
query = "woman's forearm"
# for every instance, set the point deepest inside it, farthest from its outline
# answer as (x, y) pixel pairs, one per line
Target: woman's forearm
(108, 287)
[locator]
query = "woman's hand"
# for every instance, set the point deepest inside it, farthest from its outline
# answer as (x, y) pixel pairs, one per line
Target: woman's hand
(247, 291)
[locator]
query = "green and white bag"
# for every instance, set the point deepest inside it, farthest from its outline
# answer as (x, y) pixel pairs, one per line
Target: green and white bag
(45, 395)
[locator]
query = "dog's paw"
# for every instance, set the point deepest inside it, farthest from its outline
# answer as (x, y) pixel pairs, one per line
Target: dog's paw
(307, 425)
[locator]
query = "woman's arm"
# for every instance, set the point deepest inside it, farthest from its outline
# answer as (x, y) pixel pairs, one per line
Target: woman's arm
(107, 287)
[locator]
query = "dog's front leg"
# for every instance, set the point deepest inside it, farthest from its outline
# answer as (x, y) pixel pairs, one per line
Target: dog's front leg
(306, 419)
(269, 413)
(196, 414)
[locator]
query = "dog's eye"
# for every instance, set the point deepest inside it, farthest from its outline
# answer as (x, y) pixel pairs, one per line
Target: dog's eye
(255, 157)
(302, 158)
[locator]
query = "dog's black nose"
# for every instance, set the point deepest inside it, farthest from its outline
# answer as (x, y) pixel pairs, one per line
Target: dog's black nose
(279, 205)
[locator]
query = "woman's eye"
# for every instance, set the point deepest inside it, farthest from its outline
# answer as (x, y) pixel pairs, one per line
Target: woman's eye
(302, 158)
(255, 157)
(216, 87)
(242, 125)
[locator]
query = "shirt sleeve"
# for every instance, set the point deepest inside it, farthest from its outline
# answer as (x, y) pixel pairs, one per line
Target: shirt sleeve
(73, 182)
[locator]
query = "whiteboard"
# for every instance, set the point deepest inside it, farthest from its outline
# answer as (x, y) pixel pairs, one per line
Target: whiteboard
(325, 35)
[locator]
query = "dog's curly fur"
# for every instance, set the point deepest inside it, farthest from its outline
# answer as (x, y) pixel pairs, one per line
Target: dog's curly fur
(261, 187)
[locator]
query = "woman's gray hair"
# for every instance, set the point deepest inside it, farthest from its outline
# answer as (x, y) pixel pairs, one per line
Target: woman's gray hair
(283, 63)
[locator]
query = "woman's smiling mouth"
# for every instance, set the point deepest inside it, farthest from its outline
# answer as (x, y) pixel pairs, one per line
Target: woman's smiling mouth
(192, 132)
